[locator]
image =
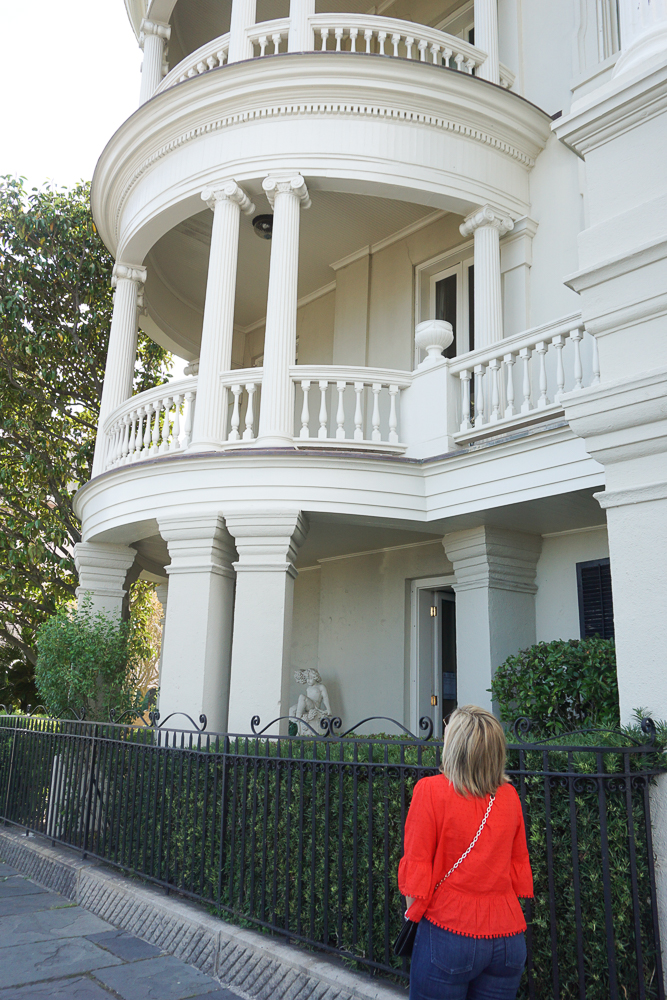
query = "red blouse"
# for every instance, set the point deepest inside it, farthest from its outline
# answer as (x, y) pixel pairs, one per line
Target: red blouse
(479, 899)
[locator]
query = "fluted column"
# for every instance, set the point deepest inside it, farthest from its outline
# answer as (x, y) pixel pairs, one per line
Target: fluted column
(488, 226)
(122, 351)
(486, 38)
(244, 15)
(286, 195)
(300, 33)
(227, 202)
(152, 40)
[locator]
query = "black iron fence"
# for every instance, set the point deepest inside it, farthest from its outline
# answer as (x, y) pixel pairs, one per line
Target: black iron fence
(301, 836)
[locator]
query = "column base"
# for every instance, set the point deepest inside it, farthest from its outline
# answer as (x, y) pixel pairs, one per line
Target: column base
(275, 441)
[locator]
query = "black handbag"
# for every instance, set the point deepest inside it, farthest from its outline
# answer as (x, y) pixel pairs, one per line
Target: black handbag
(405, 941)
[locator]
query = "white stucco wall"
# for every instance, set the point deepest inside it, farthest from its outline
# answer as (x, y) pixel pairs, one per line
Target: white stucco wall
(556, 603)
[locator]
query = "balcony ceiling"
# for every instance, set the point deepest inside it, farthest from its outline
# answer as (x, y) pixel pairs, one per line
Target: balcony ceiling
(336, 225)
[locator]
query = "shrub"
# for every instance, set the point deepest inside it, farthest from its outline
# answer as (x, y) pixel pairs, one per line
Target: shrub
(85, 662)
(562, 685)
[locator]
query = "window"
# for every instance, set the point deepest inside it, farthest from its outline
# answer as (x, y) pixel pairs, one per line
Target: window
(596, 607)
(445, 290)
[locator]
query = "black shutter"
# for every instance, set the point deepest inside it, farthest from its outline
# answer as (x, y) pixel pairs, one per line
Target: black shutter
(596, 607)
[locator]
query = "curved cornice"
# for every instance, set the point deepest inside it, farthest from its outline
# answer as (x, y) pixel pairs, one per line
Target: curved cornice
(136, 11)
(311, 85)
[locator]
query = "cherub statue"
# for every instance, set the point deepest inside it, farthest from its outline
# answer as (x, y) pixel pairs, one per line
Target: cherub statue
(314, 704)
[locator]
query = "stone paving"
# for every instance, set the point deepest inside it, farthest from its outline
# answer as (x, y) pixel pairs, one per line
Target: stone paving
(50, 947)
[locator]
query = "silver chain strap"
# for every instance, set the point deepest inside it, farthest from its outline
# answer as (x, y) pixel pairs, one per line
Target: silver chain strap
(474, 841)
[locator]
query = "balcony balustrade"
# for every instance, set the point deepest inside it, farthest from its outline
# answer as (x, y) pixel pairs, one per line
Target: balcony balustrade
(513, 384)
(356, 33)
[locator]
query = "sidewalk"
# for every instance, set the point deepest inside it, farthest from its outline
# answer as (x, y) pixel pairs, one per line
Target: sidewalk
(50, 947)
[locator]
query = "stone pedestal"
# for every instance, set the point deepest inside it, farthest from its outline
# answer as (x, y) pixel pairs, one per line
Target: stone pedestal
(102, 569)
(495, 603)
(267, 543)
(198, 625)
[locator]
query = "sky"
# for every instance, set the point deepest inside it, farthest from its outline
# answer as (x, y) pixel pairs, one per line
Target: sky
(71, 75)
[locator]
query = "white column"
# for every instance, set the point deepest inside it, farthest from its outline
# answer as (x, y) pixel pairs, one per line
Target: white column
(267, 544)
(244, 15)
(486, 38)
(122, 351)
(227, 202)
(488, 225)
(286, 196)
(300, 33)
(162, 594)
(198, 626)
(152, 40)
(102, 569)
(643, 26)
(495, 603)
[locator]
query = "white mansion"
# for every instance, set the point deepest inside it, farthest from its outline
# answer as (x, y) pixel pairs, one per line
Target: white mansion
(416, 255)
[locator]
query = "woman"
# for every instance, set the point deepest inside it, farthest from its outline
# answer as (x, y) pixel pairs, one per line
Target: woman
(470, 943)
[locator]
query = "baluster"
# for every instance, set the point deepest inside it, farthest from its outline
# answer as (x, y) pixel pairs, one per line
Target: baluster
(147, 433)
(525, 355)
(176, 427)
(353, 39)
(222, 56)
(446, 56)
(435, 52)
(422, 46)
(201, 67)
(395, 41)
(322, 433)
(155, 437)
(409, 45)
(470, 66)
(339, 39)
(494, 367)
(262, 41)
(249, 432)
(340, 413)
(393, 415)
(509, 360)
(458, 59)
(139, 438)
(596, 363)
(575, 337)
(324, 34)
(479, 395)
(166, 424)
(236, 414)
(559, 343)
(368, 38)
(211, 62)
(305, 412)
(133, 436)
(111, 447)
(125, 442)
(465, 399)
(276, 39)
(358, 412)
(541, 349)
(189, 417)
(376, 435)
(382, 38)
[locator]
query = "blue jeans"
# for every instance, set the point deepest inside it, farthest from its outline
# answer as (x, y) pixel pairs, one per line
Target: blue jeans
(448, 966)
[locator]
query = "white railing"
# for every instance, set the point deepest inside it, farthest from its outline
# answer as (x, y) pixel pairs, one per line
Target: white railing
(203, 59)
(243, 401)
(269, 37)
(348, 407)
(155, 422)
(521, 379)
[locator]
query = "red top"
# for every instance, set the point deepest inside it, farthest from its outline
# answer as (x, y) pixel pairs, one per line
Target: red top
(479, 899)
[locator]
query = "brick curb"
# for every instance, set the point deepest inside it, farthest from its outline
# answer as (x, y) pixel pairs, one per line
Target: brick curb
(251, 964)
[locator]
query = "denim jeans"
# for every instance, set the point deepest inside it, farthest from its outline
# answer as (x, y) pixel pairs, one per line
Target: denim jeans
(448, 966)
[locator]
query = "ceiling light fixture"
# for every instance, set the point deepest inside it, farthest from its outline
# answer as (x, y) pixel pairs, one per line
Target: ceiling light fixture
(263, 226)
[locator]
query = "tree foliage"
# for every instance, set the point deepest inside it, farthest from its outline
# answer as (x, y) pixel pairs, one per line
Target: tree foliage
(55, 314)
(560, 685)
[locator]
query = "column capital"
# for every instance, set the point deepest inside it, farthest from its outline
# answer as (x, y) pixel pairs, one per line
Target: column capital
(488, 218)
(102, 568)
(267, 541)
(128, 272)
(157, 28)
(228, 191)
(295, 184)
(495, 558)
(197, 545)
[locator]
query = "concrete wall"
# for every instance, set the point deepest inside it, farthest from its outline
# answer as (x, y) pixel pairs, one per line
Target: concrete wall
(556, 604)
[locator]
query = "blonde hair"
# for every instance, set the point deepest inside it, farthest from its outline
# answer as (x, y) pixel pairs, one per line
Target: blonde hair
(473, 753)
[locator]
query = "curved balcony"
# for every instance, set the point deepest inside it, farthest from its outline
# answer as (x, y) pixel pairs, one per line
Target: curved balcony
(356, 33)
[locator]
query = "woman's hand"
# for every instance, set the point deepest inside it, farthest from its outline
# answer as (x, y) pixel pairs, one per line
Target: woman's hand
(409, 900)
